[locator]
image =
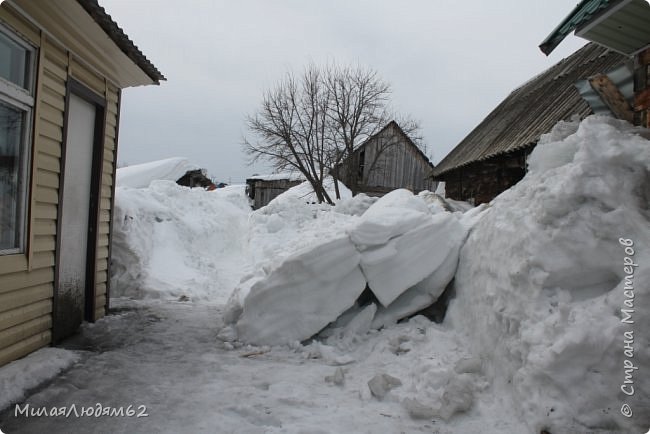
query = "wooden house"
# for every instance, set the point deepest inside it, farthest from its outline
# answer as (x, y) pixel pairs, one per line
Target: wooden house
(63, 64)
(386, 161)
(492, 157)
(622, 26)
(262, 189)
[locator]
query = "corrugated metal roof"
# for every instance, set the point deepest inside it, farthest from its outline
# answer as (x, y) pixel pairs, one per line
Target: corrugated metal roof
(584, 12)
(533, 109)
(120, 39)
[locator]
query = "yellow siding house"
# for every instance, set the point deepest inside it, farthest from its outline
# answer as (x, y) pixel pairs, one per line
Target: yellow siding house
(63, 64)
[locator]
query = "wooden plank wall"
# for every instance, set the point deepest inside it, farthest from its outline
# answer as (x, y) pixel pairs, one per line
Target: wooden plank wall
(27, 280)
(399, 165)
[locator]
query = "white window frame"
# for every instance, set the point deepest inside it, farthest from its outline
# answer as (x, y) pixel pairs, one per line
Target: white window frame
(21, 99)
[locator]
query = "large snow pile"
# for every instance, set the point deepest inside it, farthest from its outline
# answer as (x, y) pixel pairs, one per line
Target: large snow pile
(325, 270)
(554, 283)
(141, 175)
(173, 241)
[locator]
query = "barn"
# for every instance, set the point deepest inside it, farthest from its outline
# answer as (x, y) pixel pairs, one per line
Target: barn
(492, 157)
(63, 65)
(386, 161)
(262, 189)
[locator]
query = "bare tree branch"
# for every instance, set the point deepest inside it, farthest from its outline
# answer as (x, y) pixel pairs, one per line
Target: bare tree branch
(314, 122)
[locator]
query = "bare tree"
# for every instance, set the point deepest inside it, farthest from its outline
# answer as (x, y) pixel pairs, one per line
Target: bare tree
(292, 128)
(314, 123)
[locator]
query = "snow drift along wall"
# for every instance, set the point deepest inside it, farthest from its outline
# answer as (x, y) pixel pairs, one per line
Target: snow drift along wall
(546, 290)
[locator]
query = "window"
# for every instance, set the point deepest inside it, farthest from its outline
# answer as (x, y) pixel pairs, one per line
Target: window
(16, 104)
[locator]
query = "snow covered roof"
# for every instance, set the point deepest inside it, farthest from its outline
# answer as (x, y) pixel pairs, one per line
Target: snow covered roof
(141, 175)
(532, 109)
(289, 176)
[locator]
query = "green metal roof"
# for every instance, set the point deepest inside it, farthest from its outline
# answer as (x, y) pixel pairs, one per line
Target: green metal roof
(583, 13)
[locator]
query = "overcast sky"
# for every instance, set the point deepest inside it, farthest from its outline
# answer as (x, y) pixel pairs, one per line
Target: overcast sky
(449, 64)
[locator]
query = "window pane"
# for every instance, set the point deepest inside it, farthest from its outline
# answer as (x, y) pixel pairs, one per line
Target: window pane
(13, 62)
(12, 123)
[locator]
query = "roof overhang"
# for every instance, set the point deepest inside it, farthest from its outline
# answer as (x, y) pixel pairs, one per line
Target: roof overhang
(620, 25)
(85, 29)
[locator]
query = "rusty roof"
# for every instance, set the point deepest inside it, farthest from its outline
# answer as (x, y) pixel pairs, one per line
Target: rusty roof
(117, 35)
(533, 109)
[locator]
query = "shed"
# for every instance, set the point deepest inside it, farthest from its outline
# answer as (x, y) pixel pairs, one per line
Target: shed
(492, 157)
(386, 161)
(62, 67)
(262, 189)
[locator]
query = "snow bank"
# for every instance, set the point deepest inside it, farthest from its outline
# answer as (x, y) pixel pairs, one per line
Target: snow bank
(305, 192)
(541, 282)
(24, 374)
(172, 241)
(292, 297)
(141, 175)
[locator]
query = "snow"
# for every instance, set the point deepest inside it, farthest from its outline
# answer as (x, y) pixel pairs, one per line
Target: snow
(295, 296)
(316, 285)
(141, 175)
(164, 355)
(541, 281)
(417, 254)
(19, 377)
(272, 336)
(162, 250)
(289, 176)
(305, 192)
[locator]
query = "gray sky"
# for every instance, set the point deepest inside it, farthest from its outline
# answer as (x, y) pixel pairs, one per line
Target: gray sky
(449, 64)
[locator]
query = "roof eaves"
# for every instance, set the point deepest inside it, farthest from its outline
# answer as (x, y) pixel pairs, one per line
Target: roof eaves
(584, 12)
(437, 174)
(117, 35)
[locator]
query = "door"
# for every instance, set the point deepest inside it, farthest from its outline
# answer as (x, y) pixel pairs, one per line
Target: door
(78, 223)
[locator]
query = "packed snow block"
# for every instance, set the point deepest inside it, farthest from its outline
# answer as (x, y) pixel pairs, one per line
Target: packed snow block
(394, 214)
(423, 294)
(306, 292)
(405, 261)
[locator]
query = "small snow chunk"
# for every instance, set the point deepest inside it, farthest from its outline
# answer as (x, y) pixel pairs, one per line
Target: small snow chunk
(338, 378)
(381, 384)
(417, 410)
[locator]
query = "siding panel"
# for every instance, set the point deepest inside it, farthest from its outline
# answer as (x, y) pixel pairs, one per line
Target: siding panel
(24, 347)
(14, 299)
(28, 312)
